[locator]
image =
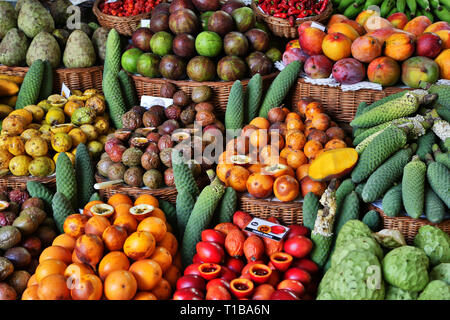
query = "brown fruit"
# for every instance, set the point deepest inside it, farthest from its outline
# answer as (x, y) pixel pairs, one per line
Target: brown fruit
(89, 249)
(114, 237)
(276, 115)
(335, 133)
(309, 185)
(205, 118)
(181, 98)
(7, 292)
(317, 135)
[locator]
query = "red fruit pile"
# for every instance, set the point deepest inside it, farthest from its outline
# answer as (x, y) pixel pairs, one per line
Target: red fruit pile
(128, 7)
(231, 263)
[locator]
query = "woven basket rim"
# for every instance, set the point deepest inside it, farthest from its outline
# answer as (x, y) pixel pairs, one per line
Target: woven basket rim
(193, 83)
(412, 221)
(24, 179)
(59, 70)
(116, 19)
(285, 23)
(267, 202)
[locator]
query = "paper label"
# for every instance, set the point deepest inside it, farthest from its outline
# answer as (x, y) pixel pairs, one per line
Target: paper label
(149, 101)
(110, 1)
(267, 229)
(145, 23)
(318, 26)
(65, 91)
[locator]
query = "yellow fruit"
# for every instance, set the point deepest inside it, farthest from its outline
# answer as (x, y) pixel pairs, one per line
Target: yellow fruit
(14, 125)
(90, 92)
(96, 103)
(16, 145)
(102, 139)
(61, 142)
(41, 167)
(70, 155)
(27, 115)
(45, 128)
(37, 112)
(71, 106)
(89, 131)
(30, 133)
(36, 147)
(95, 148)
(19, 165)
(5, 110)
(56, 100)
(55, 116)
(45, 105)
(4, 138)
(8, 88)
(101, 125)
(9, 101)
(65, 128)
(78, 136)
(5, 158)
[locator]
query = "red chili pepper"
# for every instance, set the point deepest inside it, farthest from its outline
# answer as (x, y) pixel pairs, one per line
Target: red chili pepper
(280, 15)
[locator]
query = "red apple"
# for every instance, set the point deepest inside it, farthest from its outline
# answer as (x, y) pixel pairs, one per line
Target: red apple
(428, 45)
(318, 66)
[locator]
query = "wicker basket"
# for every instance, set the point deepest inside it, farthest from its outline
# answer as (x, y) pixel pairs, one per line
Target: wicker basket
(286, 212)
(339, 105)
(123, 25)
(20, 182)
(74, 78)
(221, 90)
(409, 226)
(281, 27)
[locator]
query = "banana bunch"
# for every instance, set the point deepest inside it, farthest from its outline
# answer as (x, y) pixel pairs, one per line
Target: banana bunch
(435, 10)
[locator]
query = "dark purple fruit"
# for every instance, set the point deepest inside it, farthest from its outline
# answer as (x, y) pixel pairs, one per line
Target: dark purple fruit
(181, 98)
(201, 69)
(184, 45)
(161, 8)
(221, 23)
(168, 178)
(258, 62)
(235, 44)
(151, 119)
(167, 90)
(231, 68)
(183, 21)
(181, 4)
(206, 5)
(244, 18)
(141, 39)
(259, 40)
(159, 110)
(159, 22)
(172, 67)
(232, 5)
(173, 112)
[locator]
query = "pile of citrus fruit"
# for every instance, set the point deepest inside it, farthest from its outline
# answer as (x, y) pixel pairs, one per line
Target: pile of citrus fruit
(119, 250)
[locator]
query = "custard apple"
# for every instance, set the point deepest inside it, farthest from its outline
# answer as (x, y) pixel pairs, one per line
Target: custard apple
(441, 272)
(352, 229)
(436, 290)
(362, 243)
(406, 267)
(435, 243)
(394, 293)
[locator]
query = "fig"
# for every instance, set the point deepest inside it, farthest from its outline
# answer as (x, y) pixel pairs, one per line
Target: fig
(221, 23)
(184, 45)
(231, 68)
(183, 21)
(235, 44)
(259, 40)
(172, 67)
(258, 62)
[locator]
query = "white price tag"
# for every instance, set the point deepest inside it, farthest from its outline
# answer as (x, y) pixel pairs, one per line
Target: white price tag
(267, 229)
(148, 101)
(145, 23)
(318, 26)
(65, 91)
(110, 1)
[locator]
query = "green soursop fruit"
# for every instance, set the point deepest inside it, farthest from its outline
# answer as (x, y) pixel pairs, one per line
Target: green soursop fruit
(325, 286)
(357, 277)
(8, 18)
(13, 48)
(350, 230)
(436, 290)
(435, 243)
(58, 10)
(99, 41)
(441, 272)
(44, 47)
(394, 293)
(34, 18)
(362, 243)
(407, 268)
(79, 52)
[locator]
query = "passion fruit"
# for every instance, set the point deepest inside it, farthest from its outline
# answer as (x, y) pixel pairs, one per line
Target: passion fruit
(142, 211)
(102, 209)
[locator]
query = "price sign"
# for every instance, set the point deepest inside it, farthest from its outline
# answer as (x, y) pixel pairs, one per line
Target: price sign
(65, 91)
(149, 101)
(264, 228)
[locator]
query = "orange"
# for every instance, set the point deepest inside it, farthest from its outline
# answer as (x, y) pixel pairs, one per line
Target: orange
(312, 109)
(155, 226)
(115, 260)
(292, 115)
(335, 144)
(312, 148)
(32, 281)
(237, 178)
(89, 287)
(144, 295)
(172, 274)
(296, 158)
(286, 188)
(225, 157)
(162, 291)
(147, 199)
(75, 271)
(276, 140)
(260, 123)
(48, 267)
(259, 138)
(158, 213)
(89, 205)
(223, 170)
(120, 285)
(120, 209)
(56, 253)
(285, 152)
(31, 293)
(75, 258)
(163, 257)
(89, 249)
(114, 237)
(295, 124)
(320, 121)
(119, 198)
(256, 167)
(296, 140)
(74, 225)
(267, 152)
(96, 225)
(127, 221)
(170, 243)
(302, 171)
(53, 287)
(64, 240)
(260, 185)
(139, 245)
(148, 273)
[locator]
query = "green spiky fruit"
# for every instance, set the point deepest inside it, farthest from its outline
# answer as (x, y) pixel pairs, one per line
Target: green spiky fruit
(61, 210)
(31, 85)
(85, 175)
(128, 89)
(413, 187)
(113, 53)
(310, 208)
(434, 207)
(392, 201)
(184, 179)
(349, 210)
(227, 206)
(171, 214)
(66, 181)
(114, 98)
(38, 190)
(425, 144)
(234, 115)
(373, 220)
(47, 82)
(439, 179)
(253, 95)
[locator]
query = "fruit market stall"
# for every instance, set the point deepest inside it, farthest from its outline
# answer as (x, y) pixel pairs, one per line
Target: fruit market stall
(225, 150)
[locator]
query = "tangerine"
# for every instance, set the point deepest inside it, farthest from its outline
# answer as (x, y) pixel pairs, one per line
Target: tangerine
(286, 188)
(259, 185)
(48, 267)
(163, 257)
(32, 281)
(172, 274)
(64, 240)
(139, 245)
(114, 260)
(148, 273)
(144, 295)
(121, 209)
(296, 140)
(114, 237)
(296, 158)
(170, 243)
(56, 253)
(335, 144)
(31, 293)
(260, 123)
(295, 124)
(162, 290)
(312, 109)
(312, 148)
(147, 199)
(127, 221)
(237, 178)
(89, 249)
(53, 287)
(302, 171)
(292, 115)
(259, 138)
(89, 287)
(320, 121)
(155, 226)
(74, 225)
(120, 285)
(96, 225)
(119, 198)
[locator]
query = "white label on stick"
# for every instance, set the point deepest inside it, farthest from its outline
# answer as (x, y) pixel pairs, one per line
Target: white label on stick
(145, 23)
(65, 91)
(149, 101)
(318, 26)
(264, 228)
